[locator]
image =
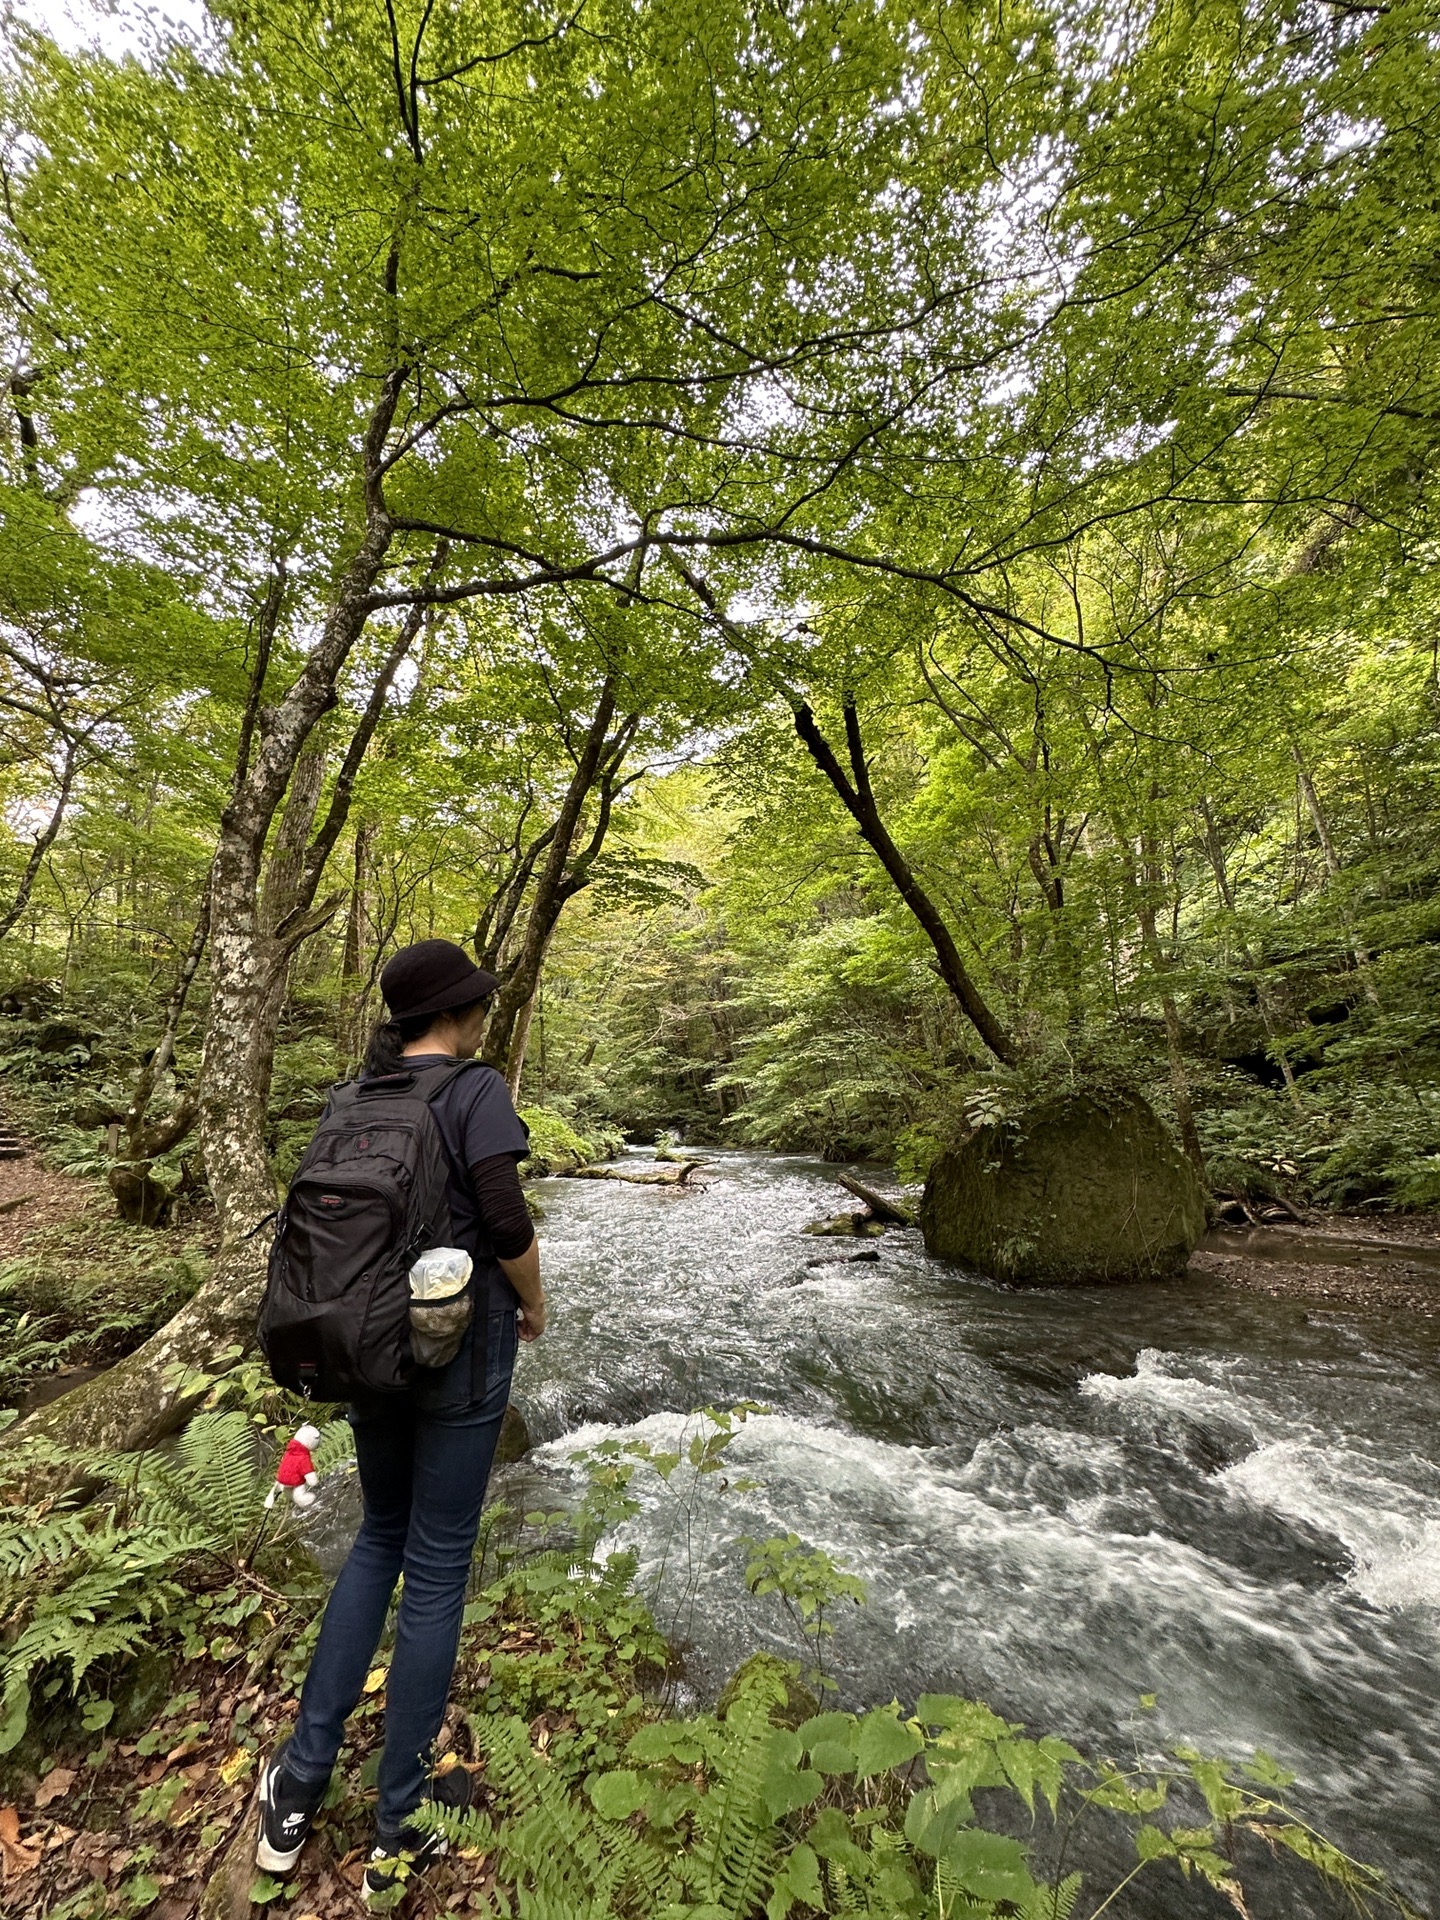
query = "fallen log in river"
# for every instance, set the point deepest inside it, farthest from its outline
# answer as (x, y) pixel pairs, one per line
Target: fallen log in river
(877, 1214)
(889, 1212)
(679, 1178)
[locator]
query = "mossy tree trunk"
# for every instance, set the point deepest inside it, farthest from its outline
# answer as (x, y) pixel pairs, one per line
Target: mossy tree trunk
(253, 933)
(513, 945)
(1145, 881)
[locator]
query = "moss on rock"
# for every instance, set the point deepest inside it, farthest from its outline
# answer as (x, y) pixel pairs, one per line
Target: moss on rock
(1081, 1190)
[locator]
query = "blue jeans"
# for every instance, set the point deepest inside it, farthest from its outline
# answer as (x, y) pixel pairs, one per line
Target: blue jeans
(424, 1458)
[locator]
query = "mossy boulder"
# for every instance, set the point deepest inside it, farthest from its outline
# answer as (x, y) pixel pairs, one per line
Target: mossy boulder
(1081, 1190)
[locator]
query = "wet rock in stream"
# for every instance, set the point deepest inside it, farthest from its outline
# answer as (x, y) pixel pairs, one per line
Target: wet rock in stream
(515, 1440)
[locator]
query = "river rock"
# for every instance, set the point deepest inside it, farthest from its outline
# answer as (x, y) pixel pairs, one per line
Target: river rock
(845, 1225)
(1082, 1189)
(514, 1442)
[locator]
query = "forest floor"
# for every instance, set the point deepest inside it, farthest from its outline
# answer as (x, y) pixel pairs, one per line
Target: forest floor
(33, 1195)
(79, 1287)
(147, 1824)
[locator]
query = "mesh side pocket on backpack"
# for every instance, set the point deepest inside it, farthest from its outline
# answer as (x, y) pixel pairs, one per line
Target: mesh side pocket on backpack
(437, 1328)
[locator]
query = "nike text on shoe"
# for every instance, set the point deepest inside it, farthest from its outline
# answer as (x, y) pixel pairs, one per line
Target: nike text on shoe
(287, 1813)
(411, 1851)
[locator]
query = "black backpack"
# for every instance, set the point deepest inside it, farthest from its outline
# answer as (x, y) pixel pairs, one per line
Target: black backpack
(370, 1193)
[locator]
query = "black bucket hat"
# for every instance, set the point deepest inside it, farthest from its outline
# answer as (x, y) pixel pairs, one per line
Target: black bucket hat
(433, 976)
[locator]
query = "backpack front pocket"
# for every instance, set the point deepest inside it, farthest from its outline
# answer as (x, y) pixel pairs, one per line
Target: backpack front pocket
(335, 1233)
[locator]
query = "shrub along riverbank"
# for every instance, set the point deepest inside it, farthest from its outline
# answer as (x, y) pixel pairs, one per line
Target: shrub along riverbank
(157, 1634)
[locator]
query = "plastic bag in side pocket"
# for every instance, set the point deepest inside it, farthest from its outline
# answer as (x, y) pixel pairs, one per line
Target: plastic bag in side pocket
(440, 1305)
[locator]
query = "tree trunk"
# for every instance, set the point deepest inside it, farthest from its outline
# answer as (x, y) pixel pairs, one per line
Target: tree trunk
(1332, 869)
(890, 1211)
(859, 802)
(357, 917)
(1180, 1088)
(282, 895)
(245, 953)
(519, 1040)
(1174, 1049)
(140, 1143)
(1317, 814)
(355, 980)
(44, 840)
(1045, 855)
(154, 1389)
(597, 768)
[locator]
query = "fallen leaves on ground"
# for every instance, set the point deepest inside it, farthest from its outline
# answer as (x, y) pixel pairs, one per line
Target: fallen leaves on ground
(17, 1856)
(144, 1833)
(54, 1786)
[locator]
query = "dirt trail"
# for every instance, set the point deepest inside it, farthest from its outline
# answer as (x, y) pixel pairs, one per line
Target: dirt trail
(32, 1196)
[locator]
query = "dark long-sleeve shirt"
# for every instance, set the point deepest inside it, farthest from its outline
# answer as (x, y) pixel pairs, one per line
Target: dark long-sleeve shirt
(485, 1136)
(501, 1202)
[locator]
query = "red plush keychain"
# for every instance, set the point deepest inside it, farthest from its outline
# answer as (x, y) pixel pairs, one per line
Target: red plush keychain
(297, 1469)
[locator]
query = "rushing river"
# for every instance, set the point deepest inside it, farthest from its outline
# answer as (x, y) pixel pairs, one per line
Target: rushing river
(1058, 1501)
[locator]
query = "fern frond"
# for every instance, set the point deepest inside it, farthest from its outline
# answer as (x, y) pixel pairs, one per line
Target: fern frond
(210, 1483)
(336, 1446)
(217, 1473)
(615, 1582)
(736, 1859)
(1061, 1899)
(564, 1860)
(27, 1544)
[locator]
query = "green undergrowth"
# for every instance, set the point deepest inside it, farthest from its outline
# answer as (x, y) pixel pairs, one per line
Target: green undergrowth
(68, 1077)
(717, 1816)
(557, 1145)
(87, 1290)
(1380, 1153)
(155, 1635)
(1330, 1143)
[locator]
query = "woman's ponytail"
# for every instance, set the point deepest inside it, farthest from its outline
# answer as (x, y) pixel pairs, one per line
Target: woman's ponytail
(386, 1051)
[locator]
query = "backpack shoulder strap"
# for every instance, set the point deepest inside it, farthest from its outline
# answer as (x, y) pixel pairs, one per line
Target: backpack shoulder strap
(431, 1082)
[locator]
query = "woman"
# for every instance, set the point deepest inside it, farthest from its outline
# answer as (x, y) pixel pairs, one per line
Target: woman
(423, 1456)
